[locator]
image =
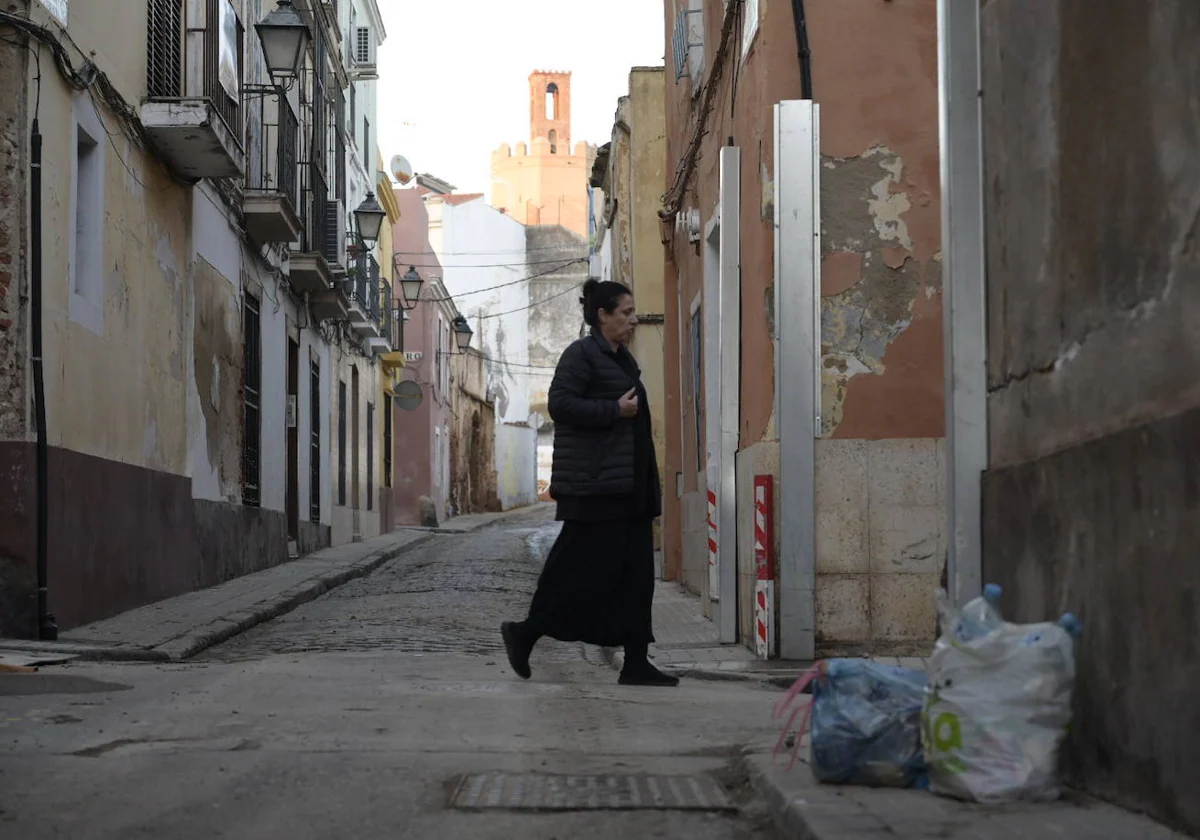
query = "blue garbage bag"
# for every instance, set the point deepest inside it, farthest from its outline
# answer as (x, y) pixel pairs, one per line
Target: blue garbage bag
(865, 723)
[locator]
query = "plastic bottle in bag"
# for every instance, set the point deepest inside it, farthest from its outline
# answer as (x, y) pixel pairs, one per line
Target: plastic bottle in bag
(980, 616)
(998, 703)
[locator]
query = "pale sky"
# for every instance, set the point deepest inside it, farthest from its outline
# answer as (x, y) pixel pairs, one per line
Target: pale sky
(454, 74)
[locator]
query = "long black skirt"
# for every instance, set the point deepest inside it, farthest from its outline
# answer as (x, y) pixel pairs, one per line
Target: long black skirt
(597, 586)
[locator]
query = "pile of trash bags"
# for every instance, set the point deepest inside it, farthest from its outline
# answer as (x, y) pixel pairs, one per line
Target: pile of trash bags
(984, 724)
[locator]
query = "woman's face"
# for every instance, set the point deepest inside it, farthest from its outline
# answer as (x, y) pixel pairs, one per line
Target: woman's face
(618, 325)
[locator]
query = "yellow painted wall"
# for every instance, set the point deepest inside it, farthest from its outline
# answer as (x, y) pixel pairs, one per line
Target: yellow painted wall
(115, 387)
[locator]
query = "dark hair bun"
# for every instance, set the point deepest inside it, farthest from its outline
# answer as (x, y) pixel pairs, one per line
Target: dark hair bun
(597, 296)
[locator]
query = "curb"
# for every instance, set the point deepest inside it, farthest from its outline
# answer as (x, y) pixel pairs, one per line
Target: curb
(187, 646)
(786, 811)
(193, 642)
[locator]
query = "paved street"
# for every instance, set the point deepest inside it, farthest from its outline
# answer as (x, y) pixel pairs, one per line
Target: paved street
(361, 713)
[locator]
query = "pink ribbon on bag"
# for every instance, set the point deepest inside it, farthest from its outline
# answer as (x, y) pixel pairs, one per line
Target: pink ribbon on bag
(781, 707)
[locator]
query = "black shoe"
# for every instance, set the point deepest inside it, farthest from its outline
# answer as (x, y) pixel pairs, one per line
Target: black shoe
(518, 651)
(646, 674)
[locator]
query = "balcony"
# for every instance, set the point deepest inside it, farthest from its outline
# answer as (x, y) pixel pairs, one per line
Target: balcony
(194, 69)
(310, 271)
(362, 287)
(385, 317)
(272, 186)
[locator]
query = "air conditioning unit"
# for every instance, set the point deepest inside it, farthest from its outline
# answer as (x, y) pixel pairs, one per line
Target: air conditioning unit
(363, 66)
(335, 236)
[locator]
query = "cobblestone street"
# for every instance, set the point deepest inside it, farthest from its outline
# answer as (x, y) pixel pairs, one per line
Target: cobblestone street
(384, 708)
(447, 597)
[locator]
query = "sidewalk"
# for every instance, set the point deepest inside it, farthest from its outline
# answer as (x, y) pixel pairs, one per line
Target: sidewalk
(688, 645)
(180, 627)
(802, 808)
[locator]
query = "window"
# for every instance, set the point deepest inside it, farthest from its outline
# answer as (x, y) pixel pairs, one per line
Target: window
(439, 357)
(251, 403)
(387, 444)
(87, 246)
(552, 101)
(697, 382)
(342, 444)
(687, 42)
(164, 48)
(314, 454)
(446, 367)
(362, 45)
(553, 142)
(370, 456)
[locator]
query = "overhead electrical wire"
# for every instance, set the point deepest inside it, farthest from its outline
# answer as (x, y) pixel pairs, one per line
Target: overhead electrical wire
(449, 298)
(398, 261)
(532, 305)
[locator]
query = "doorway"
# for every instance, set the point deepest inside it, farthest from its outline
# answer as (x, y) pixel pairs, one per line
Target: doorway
(293, 440)
(355, 490)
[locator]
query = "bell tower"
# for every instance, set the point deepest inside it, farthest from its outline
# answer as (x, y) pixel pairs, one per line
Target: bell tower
(550, 109)
(545, 181)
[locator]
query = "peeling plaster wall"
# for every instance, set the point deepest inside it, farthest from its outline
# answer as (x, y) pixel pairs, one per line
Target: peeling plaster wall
(18, 580)
(1092, 501)
(473, 437)
(875, 78)
(880, 498)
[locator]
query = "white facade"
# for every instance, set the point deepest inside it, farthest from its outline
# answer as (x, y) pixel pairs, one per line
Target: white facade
(482, 252)
(356, 512)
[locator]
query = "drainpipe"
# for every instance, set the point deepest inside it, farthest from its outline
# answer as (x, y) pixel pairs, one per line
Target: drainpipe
(806, 89)
(47, 628)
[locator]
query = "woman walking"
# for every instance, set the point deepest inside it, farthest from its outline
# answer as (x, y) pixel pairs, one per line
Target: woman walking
(597, 585)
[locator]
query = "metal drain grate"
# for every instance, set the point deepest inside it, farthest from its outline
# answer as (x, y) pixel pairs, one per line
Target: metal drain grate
(504, 791)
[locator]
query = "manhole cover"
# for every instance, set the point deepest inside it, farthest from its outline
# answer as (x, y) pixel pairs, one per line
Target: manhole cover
(512, 792)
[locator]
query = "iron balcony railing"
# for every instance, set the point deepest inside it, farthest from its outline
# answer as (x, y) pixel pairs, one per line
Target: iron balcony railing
(385, 315)
(315, 215)
(204, 36)
(681, 41)
(272, 143)
(362, 284)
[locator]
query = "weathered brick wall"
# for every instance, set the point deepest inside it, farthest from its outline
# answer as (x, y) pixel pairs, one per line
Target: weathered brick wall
(14, 147)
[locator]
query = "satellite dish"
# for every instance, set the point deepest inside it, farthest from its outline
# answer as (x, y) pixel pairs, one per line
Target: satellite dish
(402, 170)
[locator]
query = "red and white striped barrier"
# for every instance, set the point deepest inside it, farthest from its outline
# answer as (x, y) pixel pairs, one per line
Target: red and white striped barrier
(764, 562)
(714, 583)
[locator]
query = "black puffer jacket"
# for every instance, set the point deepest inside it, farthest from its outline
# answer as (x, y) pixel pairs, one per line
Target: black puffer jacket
(594, 446)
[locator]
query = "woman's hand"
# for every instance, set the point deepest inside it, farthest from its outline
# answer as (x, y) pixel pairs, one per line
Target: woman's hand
(629, 403)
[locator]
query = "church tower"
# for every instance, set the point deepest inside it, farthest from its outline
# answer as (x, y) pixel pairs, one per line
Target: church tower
(545, 182)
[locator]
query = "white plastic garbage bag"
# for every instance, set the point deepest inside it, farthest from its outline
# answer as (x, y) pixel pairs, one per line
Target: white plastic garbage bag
(998, 703)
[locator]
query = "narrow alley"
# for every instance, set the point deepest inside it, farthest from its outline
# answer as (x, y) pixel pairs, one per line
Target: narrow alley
(824, 372)
(360, 713)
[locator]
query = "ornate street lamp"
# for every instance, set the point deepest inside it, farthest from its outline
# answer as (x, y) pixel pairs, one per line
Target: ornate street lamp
(368, 217)
(284, 36)
(410, 284)
(462, 333)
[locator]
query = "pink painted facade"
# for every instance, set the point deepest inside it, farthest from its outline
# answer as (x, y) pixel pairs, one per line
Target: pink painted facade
(421, 447)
